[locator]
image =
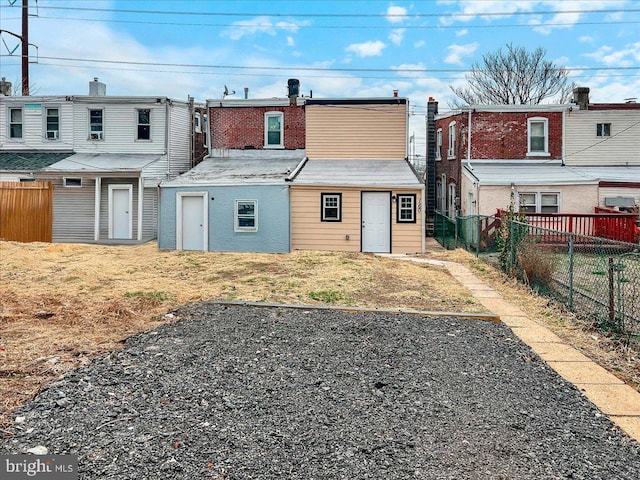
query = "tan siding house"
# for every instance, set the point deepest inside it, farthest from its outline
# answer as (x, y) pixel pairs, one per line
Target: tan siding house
(357, 192)
(356, 130)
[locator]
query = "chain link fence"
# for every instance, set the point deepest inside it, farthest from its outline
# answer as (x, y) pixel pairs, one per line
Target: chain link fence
(597, 278)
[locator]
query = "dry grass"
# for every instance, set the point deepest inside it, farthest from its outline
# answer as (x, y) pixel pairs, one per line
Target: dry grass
(63, 304)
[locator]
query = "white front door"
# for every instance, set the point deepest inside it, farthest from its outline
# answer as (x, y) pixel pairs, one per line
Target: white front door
(376, 222)
(192, 221)
(120, 211)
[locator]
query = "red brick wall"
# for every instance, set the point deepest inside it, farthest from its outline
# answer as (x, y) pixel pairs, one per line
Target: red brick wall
(503, 135)
(242, 127)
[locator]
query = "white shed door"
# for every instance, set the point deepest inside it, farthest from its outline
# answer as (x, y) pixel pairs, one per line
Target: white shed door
(193, 223)
(376, 222)
(120, 219)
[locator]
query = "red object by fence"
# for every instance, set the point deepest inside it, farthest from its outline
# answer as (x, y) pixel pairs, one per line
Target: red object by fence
(605, 223)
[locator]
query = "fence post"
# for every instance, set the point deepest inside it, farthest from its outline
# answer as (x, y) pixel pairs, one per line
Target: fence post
(455, 232)
(571, 259)
(479, 220)
(612, 311)
(512, 246)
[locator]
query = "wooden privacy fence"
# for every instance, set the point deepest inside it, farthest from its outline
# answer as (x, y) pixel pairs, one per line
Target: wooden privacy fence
(26, 211)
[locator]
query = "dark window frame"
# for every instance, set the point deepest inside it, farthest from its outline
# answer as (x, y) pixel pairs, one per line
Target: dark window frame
(603, 130)
(323, 216)
(399, 208)
(143, 127)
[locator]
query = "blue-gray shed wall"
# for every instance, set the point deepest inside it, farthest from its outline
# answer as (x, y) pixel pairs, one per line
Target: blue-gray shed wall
(273, 235)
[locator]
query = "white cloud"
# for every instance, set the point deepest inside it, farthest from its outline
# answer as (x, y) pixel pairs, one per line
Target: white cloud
(291, 42)
(585, 39)
(396, 14)
(458, 52)
(397, 35)
(257, 25)
(625, 57)
(419, 43)
(462, 33)
(413, 70)
(367, 49)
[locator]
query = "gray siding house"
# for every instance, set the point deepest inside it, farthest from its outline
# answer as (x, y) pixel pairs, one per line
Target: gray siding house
(236, 200)
(118, 150)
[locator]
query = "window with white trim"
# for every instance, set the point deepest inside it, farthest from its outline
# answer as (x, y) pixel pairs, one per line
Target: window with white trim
(539, 202)
(96, 131)
(15, 123)
(603, 130)
(246, 216)
(144, 124)
(439, 196)
(53, 123)
(331, 207)
(452, 201)
(439, 144)
(274, 130)
(197, 123)
(451, 152)
(538, 136)
(406, 208)
(75, 182)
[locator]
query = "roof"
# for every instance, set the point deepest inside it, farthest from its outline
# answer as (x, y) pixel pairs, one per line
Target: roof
(255, 102)
(242, 167)
(357, 101)
(538, 108)
(551, 173)
(104, 162)
(29, 161)
(358, 173)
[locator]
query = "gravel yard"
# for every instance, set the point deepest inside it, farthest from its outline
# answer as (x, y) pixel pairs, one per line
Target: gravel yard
(233, 392)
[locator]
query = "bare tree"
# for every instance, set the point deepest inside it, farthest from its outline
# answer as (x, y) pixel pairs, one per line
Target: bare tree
(513, 76)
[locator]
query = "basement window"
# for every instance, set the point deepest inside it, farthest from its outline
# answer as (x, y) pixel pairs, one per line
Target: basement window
(72, 182)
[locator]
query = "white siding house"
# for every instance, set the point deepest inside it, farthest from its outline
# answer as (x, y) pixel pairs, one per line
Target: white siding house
(119, 149)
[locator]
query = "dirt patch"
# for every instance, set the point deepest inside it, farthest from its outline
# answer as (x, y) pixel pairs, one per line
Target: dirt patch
(63, 304)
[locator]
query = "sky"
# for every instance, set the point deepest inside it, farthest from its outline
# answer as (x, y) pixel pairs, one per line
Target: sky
(336, 48)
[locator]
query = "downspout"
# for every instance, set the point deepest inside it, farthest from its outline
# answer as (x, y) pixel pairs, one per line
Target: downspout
(406, 133)
(424, 220)
(140, 205)
(96, 226)
(192, 150)
(167, 129)
(469, 139)
(564, 111)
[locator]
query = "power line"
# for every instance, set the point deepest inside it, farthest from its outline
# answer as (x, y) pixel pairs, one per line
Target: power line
(340, 27)
(342, 15)
(305, 69)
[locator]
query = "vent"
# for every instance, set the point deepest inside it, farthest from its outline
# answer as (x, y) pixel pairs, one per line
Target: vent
(95, 136)
(52, 134)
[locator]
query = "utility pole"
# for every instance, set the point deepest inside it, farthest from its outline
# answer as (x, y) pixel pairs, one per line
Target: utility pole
(25, 48)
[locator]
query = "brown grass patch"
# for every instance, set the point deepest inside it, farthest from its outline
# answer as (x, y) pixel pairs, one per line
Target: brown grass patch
(63, 304)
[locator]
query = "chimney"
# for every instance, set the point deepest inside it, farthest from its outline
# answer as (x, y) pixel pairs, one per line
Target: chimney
(246, 92)
(581, 97)
(395, 94)
(97, 89)
(293, 85)
(5, 88)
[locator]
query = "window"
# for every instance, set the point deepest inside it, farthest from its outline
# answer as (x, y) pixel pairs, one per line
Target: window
(451, 152)
(539, 202)
(95, 125)
(603, 130)
(53, 124)
(439, 196)
(273, 130)
(196, 123)
(331, 207)
(72, 182)
(246, 216)
(452, 201)
(15, 123)
(538, 136)
(406, 208)
(439, 144)
(144, 124)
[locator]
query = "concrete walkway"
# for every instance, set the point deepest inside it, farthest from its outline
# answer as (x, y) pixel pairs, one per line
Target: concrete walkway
(612, 396)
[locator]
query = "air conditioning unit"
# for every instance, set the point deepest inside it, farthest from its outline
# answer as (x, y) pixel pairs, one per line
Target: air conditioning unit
(95, 136)
(52, 134)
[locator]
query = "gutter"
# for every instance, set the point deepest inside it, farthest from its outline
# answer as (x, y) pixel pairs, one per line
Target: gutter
(297, 170)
